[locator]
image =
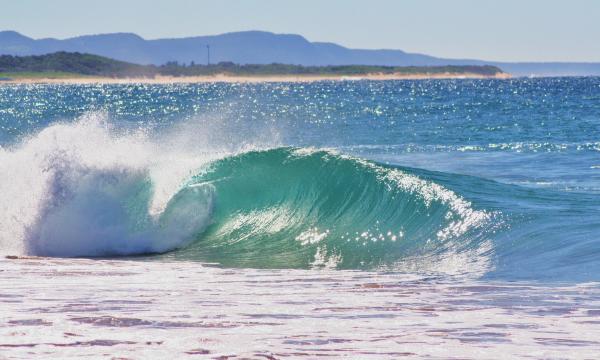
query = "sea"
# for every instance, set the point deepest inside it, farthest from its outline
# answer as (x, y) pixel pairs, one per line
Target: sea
(439, 219)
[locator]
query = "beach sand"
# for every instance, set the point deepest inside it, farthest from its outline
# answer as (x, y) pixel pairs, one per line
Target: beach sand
(247, 79)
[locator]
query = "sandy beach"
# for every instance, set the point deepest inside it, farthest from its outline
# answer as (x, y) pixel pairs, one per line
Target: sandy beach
(246, 79)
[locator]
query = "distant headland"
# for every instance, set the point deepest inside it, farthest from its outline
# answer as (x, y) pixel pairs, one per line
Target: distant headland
(66, 67)
(262, 48)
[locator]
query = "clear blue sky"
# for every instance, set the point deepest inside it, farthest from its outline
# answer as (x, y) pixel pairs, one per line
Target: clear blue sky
(512, 30)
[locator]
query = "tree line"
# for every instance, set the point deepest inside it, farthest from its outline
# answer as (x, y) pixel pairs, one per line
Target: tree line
(94, 65)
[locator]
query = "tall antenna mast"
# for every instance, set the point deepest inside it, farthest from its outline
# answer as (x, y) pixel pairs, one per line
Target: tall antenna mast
(208, 54)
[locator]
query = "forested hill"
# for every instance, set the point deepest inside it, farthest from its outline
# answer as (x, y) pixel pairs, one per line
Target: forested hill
(94, 65)
(73, 63)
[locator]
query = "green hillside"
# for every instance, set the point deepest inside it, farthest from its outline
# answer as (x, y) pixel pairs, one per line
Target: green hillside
(65, 64)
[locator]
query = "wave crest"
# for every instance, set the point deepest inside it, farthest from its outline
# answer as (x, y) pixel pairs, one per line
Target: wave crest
(84, 189)
(307, 208)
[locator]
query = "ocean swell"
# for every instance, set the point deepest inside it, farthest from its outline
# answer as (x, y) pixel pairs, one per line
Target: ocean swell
(83, 189)
(303, 208)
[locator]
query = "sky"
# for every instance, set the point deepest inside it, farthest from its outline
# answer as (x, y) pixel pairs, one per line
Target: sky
(507, 30)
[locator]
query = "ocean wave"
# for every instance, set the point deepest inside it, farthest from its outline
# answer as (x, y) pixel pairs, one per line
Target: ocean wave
(83, 189)
(90, 189)
(303, 208)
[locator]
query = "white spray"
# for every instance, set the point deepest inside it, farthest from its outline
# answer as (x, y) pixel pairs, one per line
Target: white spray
(81, 189)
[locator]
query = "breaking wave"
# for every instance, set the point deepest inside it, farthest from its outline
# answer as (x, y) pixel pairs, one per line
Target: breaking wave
(84, 189)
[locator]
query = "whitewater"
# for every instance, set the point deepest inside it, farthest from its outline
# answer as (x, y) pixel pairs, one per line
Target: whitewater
(269, 220)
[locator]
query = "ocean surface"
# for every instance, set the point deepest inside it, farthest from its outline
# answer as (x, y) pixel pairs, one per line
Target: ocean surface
(361, 219)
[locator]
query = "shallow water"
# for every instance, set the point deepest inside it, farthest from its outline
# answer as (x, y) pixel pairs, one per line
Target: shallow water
(133, 309)
(456, 218)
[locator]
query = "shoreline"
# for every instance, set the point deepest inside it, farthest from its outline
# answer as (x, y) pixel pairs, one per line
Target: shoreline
(223, 78)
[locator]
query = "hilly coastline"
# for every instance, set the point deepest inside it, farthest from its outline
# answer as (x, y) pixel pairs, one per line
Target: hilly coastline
(259, 47)
(64, 66)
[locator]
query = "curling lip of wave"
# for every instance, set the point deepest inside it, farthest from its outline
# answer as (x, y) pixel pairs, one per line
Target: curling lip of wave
(302, 208)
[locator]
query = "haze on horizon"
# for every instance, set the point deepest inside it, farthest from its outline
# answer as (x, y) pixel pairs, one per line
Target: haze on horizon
(511, 30)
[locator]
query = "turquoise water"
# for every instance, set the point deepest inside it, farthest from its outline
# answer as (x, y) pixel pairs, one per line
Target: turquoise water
(490, 178)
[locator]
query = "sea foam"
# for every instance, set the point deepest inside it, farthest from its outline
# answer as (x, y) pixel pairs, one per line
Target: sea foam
(84, 189)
